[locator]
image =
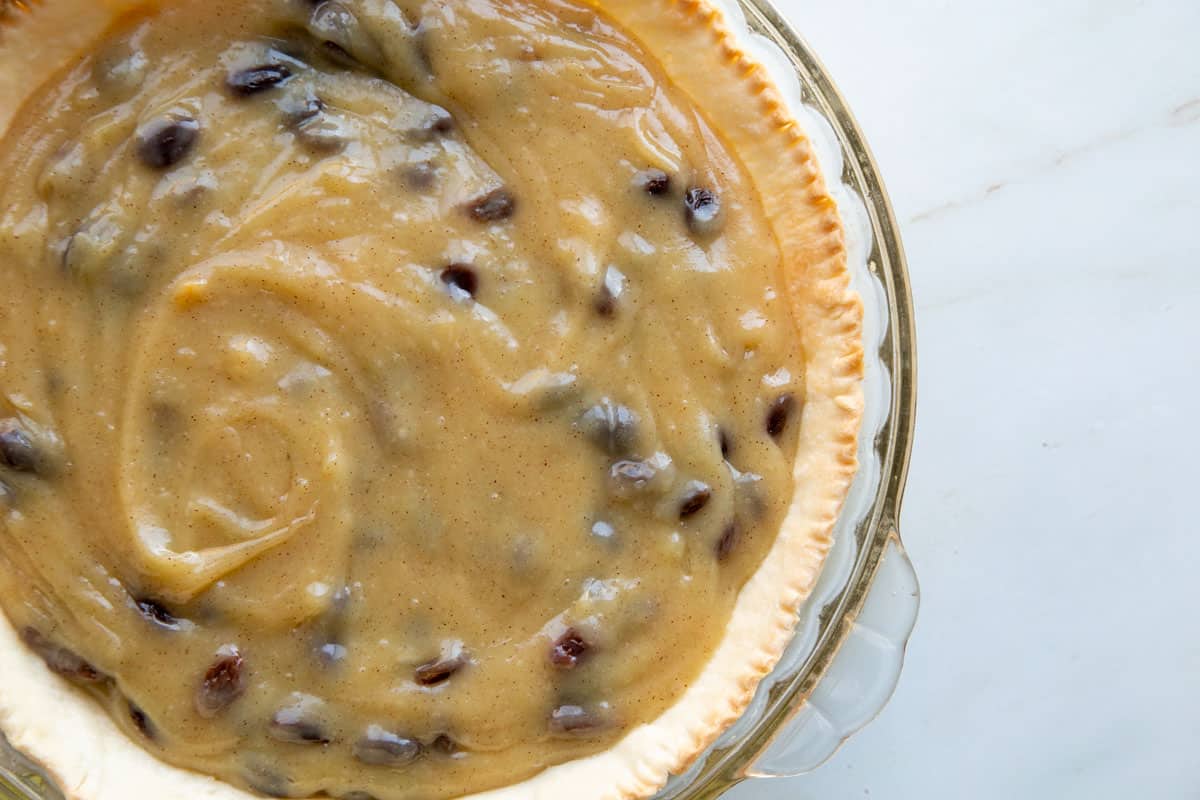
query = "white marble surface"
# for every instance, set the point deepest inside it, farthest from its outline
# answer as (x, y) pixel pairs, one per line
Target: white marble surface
(1044, 160)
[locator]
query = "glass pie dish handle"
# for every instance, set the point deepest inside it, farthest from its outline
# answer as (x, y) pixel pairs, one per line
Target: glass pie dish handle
(858, 682)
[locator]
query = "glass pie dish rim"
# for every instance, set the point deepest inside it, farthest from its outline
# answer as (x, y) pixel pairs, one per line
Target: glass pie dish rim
(766, 745)
(788, 692)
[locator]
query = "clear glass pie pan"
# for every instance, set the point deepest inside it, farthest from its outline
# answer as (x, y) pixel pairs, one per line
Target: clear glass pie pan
(842, 666)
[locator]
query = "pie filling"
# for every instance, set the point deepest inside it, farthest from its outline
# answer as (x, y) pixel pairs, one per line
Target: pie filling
(394, 396)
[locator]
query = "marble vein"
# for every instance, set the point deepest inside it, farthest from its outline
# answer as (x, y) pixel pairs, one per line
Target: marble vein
(1180, 115)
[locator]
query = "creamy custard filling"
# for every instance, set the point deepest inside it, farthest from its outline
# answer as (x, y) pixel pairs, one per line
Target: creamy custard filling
(394, 396)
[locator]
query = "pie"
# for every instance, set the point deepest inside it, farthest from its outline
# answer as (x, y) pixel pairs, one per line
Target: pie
(405, 398)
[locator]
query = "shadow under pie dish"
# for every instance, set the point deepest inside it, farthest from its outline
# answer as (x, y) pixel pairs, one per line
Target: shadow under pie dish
(408, 399)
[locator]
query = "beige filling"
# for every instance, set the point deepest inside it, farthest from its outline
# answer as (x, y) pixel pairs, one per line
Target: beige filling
(396, 381)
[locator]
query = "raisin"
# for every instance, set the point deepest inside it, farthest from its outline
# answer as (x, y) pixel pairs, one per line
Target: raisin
(496, 205)
(140, 720)
(435, 125)
(324, 134)
(695, 497)
(442, 669)
(653, 182)
(444, 744)
(569, 650)
(702, 210)
(223, 682)
(157, 614)
(461, 279)
(606, 304)
(419, 176)
(257, 79)
(381, 747)
(610, 293)
(574, 720)
(611, 426)
(779, 413)
(343, 38)
(729, 539)
(435, 672)
(267, 781)
(17, 451)
(300, 109)
(165, 141)
(61, 660)
(338, 54)
(748, 492)
(331, 653)
(627, 478)
(330, 630)
(299, 722)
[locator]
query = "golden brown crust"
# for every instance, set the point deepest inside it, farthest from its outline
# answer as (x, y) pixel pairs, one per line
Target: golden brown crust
(702, 56)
